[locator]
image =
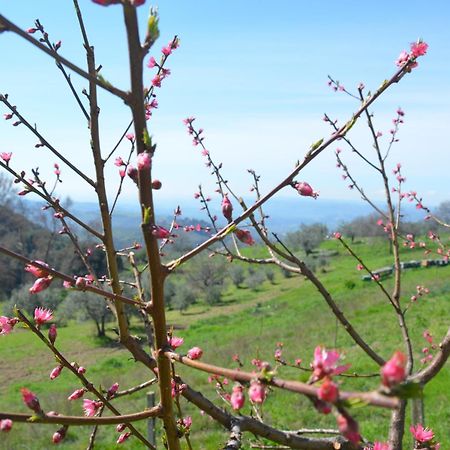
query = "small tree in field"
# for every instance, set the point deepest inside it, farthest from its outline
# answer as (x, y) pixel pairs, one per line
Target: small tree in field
(239, 408)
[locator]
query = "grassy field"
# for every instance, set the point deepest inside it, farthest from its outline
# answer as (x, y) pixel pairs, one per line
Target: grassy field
(249, 323)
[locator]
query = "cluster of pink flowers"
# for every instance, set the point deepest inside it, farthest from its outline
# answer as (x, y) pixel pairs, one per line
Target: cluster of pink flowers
(417, 49)
(428, 351)
(162, 72)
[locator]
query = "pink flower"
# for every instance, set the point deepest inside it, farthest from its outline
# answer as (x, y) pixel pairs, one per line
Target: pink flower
(160, 232)
(237, 399)
(421, 434)
(80, 283)
(81, 370)
(303, 188)
(167, 50)
(337, 235)
(123, 437)
(6, 156)
(244, 236)
(321, 406)
(6, 425)
(42, 315)
(31, 400)
(187, 422)
(119, 161)
(40, 284)
(175, 342)
(393, 372)
(7, 324)
(257, 392)
(419, 48)
(227, 208)
(38, 272)
(56, 372)
(144, 161)
(349, 428)
(132, 173)
(106, 2)
(90, 407)
(195, 353)
(156, 81)
(76, 394)
(324, 363)
(151, 62)
(402, 59)
(328, 391)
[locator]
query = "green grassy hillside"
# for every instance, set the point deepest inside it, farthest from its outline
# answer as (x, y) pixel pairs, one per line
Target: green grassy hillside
(248, 323)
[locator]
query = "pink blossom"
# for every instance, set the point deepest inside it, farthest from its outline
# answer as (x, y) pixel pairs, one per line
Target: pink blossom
(30, 399)
(324, 363)
(244, 236)
(7, 324)
(337, 235)
(40, 284)
(175, 341)
(6, 156)
(303, 188)
(31, 30)
(419, 48)
(402, 59)
(81, 370)
(6, 425)
(167, 50)
(160, 232)
(381, 446)
(152, 62)
(119, 161)
(421, 434)
(123, 437)
(393, 372)
(38, 272)
(7, 116)
(106, 2)
(56, 372)
(227, 208)
(132, 173)
(144, 161)
(349, 428)
(90, 407)
(195, 353)
(80, 283)
(360, 267)
(328, 391)
(237, 398)
(120, 427)
(257, 392)
(187, 422)
(156, 81)
(42, 315)
(321, 406)
(76, 394)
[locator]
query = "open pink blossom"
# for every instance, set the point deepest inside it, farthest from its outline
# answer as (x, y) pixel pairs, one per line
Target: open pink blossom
(40, 285)
(419, 48)
(42, 315)
(421, 434)
(91, 407)
(349, 428)
(175, 341)
(7, 324)
(227, 208)
(38, 272)
(257, 392)
(195, 353)
(328, 391)
(237, 398)
(325, 363)
(393, 372)
(119, 161)
(30, 399)
(244, 236)
(304, 189)
(187, 422)
(402, 59)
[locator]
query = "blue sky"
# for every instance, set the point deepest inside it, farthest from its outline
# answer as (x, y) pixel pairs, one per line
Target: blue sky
(254, 74)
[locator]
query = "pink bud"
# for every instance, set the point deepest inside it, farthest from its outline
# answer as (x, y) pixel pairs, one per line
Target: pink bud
(144, 161)
(237, 399)
(151, 62)
(156, 185)
(195, 353)
(120, 427)
(123, 437)
(119, 162)
(59, 435)
(81, 370)
(31, 400)
(257, 392)
(303, 188)
(56, 372)
(160, 232)
(349, 428)
(76, 394)
(40, 284)
(80, 283)
(227, 208)
(6, 425)
(244, 236)
(132, 173)
(112, 390)
(393, 372)
(328, 391)
(6, 156)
